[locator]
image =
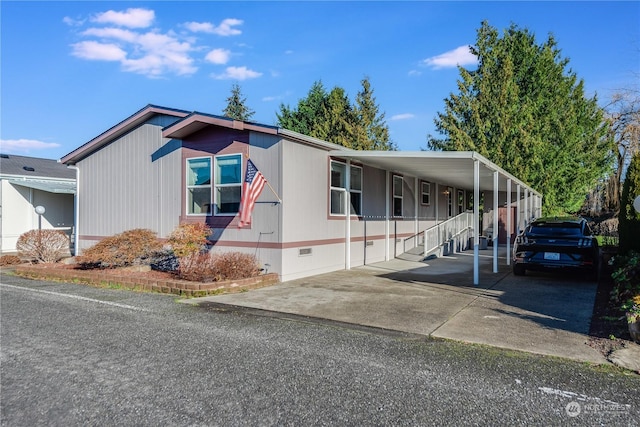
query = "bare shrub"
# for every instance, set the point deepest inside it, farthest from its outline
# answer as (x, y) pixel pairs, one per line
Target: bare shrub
(198, 267)
(128, 248)
(236, 265)
(9, 260)
(43, 245)
(203, 267)
(189, 238)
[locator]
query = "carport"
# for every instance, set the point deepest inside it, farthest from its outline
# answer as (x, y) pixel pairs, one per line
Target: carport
(460, 169)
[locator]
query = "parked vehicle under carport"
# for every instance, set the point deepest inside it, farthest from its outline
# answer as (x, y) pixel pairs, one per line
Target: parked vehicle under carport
(556, 244)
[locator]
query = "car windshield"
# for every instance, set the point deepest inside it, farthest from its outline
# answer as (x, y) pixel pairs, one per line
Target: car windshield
(556, 229)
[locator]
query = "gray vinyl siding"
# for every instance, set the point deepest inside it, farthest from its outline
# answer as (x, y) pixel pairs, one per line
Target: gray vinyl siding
(121, 188)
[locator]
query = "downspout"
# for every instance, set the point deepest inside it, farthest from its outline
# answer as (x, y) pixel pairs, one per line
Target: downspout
(76, 206)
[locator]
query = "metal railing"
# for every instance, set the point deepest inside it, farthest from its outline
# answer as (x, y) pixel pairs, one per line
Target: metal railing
(454, 231)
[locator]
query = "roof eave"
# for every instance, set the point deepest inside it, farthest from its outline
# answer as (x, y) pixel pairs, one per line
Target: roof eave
(121, 128)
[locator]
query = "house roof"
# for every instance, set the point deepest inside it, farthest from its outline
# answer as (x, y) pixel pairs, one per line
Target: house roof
(196, 121)
(120, 129)
(12, 166)
(453, 168)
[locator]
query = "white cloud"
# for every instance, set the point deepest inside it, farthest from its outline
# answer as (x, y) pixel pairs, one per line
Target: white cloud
(237, 73)
(72, 22)
(132, 18)
(152, 52)
(9, 146)
(96, 51)
(218, 56)
(224, 29)
(414, 73)
(459, 56)
(112, 33)
(404, 116)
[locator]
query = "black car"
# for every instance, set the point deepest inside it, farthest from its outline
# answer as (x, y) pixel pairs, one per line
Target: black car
(556, 243)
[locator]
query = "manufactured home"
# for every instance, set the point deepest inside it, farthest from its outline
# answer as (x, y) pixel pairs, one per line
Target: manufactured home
(326, 207)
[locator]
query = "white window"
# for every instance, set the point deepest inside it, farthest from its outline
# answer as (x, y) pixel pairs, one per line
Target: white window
(199, 186)
(397, 195)
(449, 202)
(339, 184)
(426, 193)
(228, 184)
(460, 201)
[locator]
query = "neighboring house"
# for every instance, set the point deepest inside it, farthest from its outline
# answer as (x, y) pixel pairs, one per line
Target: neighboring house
(161, 167)
(28, 182)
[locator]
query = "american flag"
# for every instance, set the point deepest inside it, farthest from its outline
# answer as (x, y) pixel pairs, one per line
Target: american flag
(254, 182)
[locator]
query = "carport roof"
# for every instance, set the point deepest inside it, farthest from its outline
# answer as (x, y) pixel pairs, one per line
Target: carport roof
(454, 168)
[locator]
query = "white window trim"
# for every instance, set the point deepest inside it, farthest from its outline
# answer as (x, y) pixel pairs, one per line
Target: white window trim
(401, 196)
(461, 198)
(427, 193)
(215, 185)
(187, 186)
(358, 192)
(449, 202)
(348, 167)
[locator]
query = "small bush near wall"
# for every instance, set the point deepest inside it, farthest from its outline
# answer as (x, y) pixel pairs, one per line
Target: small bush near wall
(43, 245)
(189, 238)
(204, 267)
(128, 248)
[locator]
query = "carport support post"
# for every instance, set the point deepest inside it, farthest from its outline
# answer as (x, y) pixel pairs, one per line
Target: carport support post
(347, 232)
(476, 222)
(509, 221)
(386, 219)
(496, 229)
(518, 214)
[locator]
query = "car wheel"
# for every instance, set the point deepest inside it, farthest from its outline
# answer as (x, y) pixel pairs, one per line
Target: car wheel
(518, 270)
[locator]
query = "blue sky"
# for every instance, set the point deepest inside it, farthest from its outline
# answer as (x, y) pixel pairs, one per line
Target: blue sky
(71, 70)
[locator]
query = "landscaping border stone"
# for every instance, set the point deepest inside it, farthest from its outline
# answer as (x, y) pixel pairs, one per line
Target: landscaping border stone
(168, 286)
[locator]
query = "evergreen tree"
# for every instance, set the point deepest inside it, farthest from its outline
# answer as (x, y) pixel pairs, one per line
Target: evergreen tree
(629, 219)
(330, 116)
(236, 105)
(370, 131)
(521, 109)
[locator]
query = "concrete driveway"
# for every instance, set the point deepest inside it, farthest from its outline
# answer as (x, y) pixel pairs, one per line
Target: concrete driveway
(538, 313)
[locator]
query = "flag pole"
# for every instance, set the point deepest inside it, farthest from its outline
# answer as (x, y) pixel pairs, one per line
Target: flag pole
(273, 191)
(267, 182)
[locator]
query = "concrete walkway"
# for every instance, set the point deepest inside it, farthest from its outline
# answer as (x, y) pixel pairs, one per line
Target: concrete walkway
(537, 313)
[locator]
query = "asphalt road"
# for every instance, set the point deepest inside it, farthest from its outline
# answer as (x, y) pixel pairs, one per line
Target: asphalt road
(76, 355)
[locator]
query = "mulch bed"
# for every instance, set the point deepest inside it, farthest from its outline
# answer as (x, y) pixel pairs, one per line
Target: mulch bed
(609, 330)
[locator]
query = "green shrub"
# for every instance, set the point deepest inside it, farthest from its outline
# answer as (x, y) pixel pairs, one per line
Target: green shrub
(204, 267)
(189, 238)
(9, 260)
(128, 248)
(626, 278)
(629, 219)
(43, 245)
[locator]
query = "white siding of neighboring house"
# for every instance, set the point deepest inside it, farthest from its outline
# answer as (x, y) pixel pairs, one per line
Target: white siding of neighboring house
(18, 212)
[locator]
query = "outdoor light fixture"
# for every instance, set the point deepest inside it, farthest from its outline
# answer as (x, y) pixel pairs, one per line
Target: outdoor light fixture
(40, 210)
